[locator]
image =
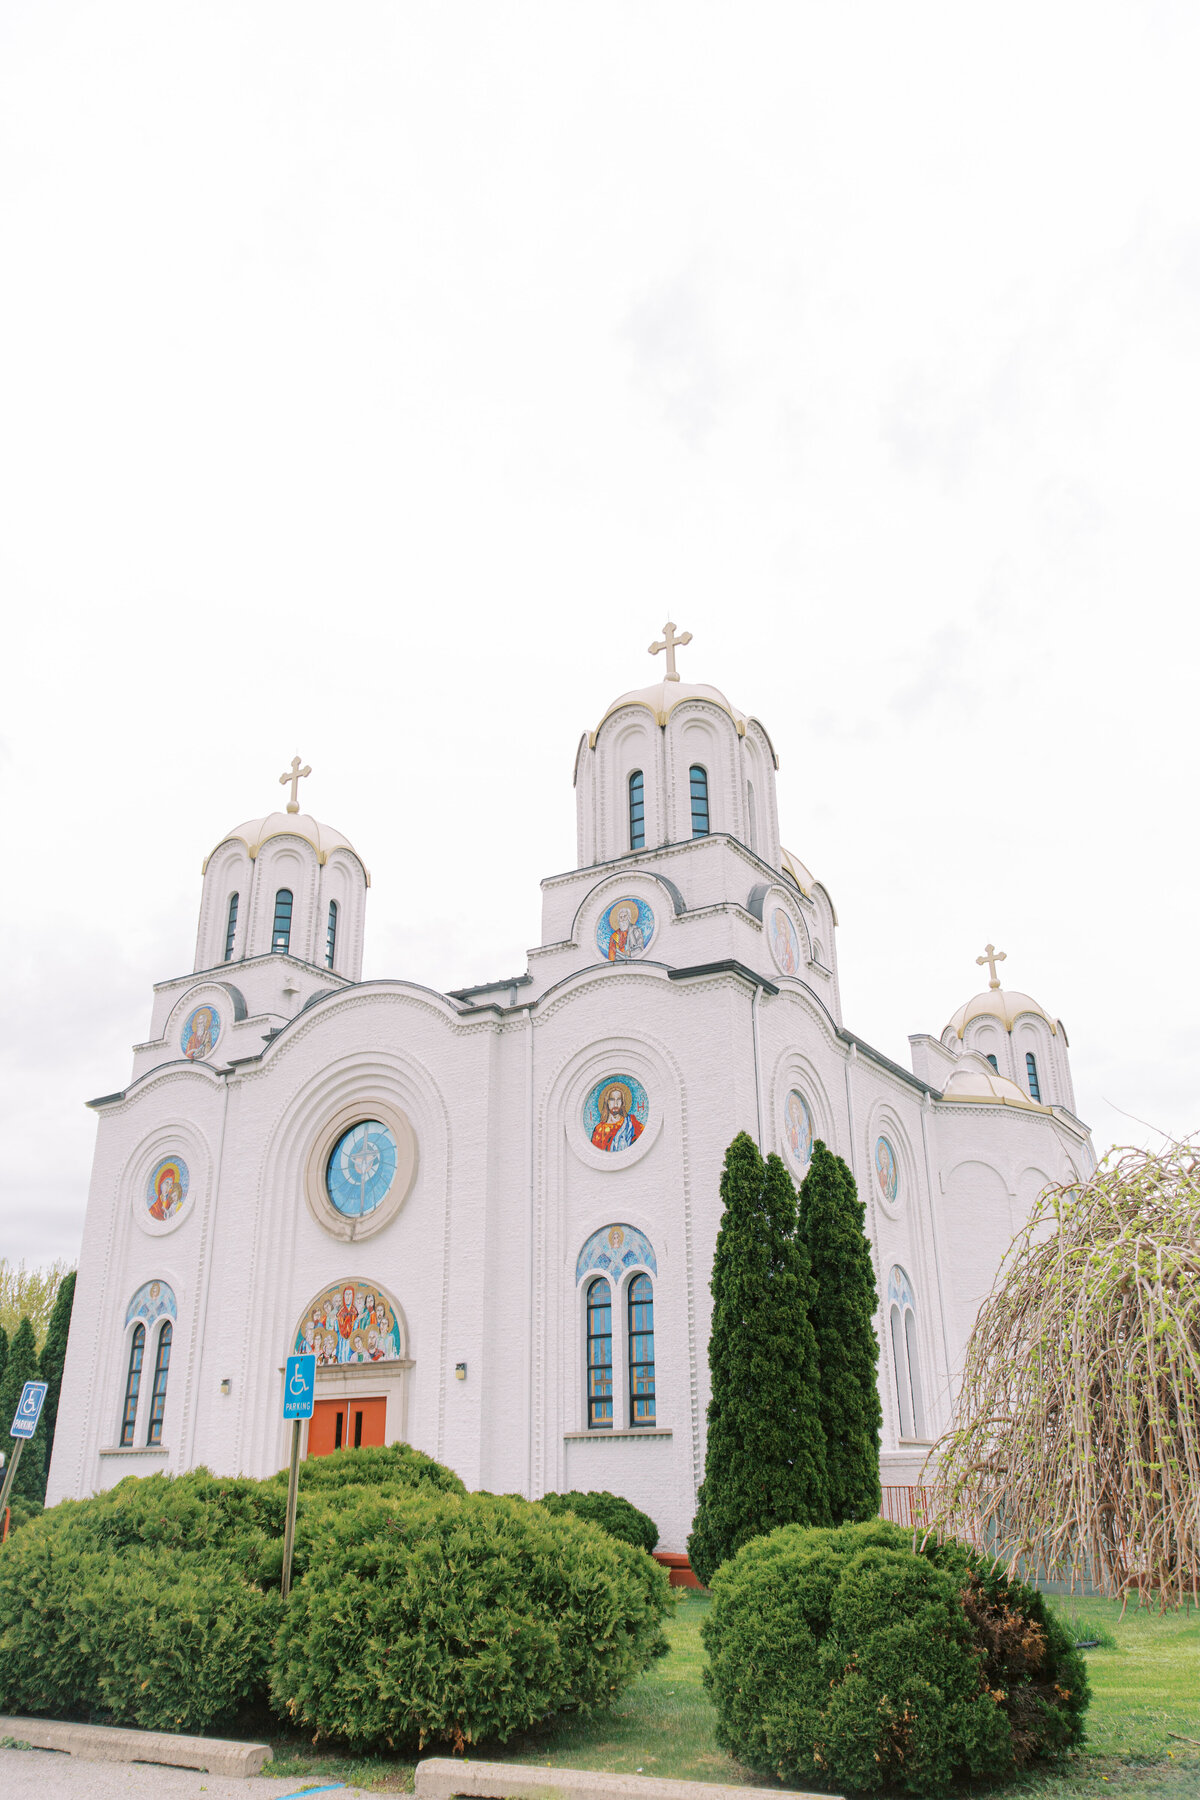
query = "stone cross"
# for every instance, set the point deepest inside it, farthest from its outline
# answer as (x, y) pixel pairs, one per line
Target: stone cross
(670, 643)
(295, 775)
(991, 957)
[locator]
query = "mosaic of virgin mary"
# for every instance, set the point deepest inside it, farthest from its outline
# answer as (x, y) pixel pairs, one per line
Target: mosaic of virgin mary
(166, 1188)
(615, 1113)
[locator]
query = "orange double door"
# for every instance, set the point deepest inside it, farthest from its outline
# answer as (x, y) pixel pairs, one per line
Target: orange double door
(345, 1425)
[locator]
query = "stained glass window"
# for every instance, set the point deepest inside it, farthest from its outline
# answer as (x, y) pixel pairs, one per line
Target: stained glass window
(281, 936)
(361, 1169)
(231, 927)
(158, 1393)
(599, 1356)
(331, 935)
(699, 780)
(637, 811)
(133, 1381)
(641, 1351)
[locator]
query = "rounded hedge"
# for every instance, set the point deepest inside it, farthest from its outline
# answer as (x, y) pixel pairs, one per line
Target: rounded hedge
(376, 1465)
(433, 1617)
(842, 1657)
(620, 1518)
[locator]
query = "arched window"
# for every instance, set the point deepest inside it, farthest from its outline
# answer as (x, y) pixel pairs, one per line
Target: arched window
(699, 782)
(641, 1351)
(230, 927)
(902, 1320)
(281, 936)
(751, 832)
(133, 1381)
(637, 811)
(993, 1062)
(331, 935)
(158, 1393)
(1035, 1092)
(599, 1356)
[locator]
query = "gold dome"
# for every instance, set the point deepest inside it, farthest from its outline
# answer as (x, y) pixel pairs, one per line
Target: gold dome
(983, 1086)
(1005, 1004)
(254, 833)
(795, 868)
(664, 697)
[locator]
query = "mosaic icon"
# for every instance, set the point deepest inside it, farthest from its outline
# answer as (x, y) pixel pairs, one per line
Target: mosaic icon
(152, 1300)
(887, 1168)
(352, 1323)
(624, 930)
(615, 1112)
(167, 1188)
(797, 1126)
(361, 1169)
(785, 945)
(201, 1029)
(616, 1247)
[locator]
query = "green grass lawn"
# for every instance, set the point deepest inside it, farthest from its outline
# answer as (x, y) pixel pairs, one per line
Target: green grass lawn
(1145, 1686)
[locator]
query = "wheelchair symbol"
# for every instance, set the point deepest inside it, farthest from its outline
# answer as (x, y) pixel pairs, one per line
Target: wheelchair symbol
(299, 1385)
(29, 1403)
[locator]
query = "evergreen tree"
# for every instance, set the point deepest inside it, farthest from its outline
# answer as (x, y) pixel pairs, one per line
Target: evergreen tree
(831, 1225)
(764, 1464)
(3, 1351)
(53, 1357)
(22, 1366)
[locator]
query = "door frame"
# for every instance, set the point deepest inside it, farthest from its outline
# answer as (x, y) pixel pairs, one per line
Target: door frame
(360, 1381)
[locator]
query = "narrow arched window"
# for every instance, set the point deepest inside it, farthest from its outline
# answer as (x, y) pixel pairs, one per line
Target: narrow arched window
(331, 935)
(993, 1062)
(699, 781)
(281, 935)
(230, 927)
(751, 831)
(133, 1382)
(900, 1366)
(641, 1351)
(906, 1366)
(1035, 1092)
(599, 1356)
(158, 1393)
(637, 811)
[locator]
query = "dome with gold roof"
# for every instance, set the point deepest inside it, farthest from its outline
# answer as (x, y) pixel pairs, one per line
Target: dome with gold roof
(254, 833)
(662, 699)
(983, 1086)
(1004, 1004)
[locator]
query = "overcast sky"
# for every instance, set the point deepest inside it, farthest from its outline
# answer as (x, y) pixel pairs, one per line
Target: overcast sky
(378, 378)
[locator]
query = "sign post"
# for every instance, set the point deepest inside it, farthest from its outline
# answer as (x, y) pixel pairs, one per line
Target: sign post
(299, 1392)
(29, 1411)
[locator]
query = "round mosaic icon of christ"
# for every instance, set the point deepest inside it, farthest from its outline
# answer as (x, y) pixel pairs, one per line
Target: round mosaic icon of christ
(201, 1029)
(167, 1188)
(615, 1113)
(361, 1169)
(624, 930)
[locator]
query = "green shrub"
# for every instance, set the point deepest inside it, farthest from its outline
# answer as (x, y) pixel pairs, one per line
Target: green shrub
(432, 1617)
(21, 1511)
(620, 1518)
(839, 1656)
(378, 1466)
(162, 1639)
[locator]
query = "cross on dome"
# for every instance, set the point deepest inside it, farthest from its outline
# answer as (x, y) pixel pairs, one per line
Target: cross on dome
(991, 956)
(295, 776)
(670, 643)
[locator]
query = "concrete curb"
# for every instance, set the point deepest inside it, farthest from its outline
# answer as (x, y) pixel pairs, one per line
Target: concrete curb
(112, 1743)
(444, 1777)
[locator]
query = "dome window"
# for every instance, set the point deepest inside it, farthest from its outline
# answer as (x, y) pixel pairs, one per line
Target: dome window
(281, 935)
(331, 935)
(699, 782)
(637, 811)
(992, 1059)
(230, 928)
(1035, 1092)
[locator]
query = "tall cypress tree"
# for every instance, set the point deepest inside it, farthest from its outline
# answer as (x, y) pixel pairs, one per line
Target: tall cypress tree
(3, 1351)
(22, 1366)
(831, 1224)
(54, 1356)
(764, 1463)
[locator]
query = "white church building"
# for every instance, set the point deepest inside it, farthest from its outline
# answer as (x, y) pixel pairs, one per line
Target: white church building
(492, 1212)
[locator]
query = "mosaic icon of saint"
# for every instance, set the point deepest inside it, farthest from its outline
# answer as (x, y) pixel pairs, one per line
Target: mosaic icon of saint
(202, 1034)
(885, 1168)
(799, 1127)
(627, 939)
(783, 941)
(168, 1193)
(616, 1128)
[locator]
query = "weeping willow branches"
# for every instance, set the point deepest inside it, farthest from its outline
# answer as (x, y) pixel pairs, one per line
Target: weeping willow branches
(1076, 1439)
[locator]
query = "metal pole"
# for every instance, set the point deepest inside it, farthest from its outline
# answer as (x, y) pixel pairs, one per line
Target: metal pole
(11, 1470)
(289, 1530)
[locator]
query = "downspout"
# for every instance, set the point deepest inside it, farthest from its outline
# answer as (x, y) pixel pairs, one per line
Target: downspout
(529, 1232)
(758, 1099)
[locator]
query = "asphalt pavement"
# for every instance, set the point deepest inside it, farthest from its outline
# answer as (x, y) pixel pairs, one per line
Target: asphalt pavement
(49, 1775)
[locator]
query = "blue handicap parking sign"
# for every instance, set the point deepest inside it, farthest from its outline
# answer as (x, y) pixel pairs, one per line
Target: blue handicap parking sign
(29, 1409)
(299, 1387)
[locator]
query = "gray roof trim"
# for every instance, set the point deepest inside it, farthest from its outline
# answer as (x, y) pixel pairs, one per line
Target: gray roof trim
(727, 967)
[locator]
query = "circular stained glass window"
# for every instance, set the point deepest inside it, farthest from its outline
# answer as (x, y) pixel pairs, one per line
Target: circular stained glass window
(361, 1169)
